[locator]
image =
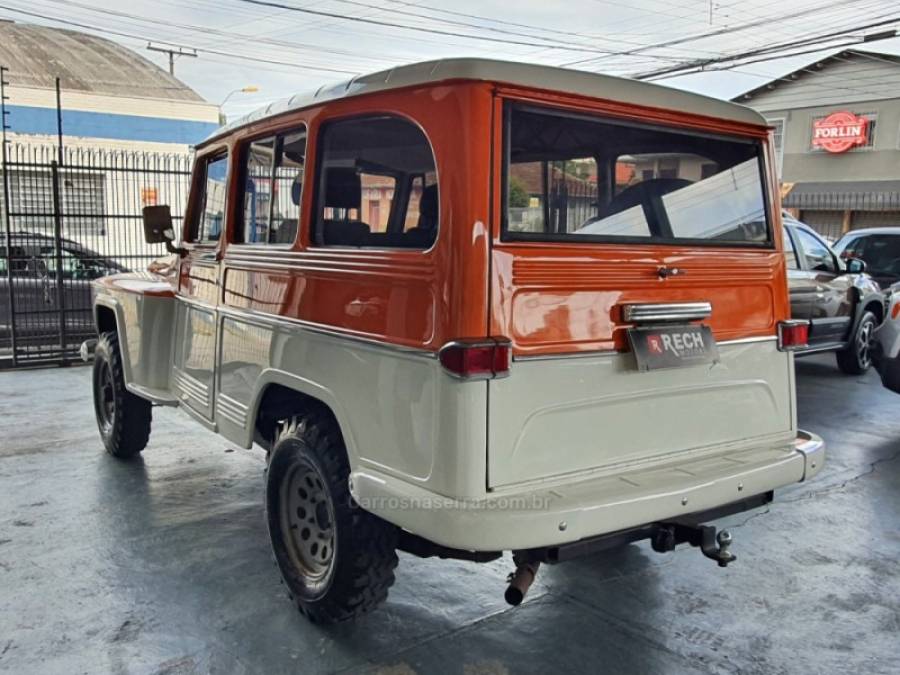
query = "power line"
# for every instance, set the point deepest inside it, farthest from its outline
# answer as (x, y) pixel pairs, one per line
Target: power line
(716, 33)
(299, 46)
(423, 29)
(200, 50)
(767, 54)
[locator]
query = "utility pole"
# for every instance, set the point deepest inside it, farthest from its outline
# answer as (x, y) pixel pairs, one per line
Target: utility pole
(172, 52)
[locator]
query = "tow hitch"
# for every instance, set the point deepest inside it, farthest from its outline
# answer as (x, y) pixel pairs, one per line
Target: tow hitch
(714, 546)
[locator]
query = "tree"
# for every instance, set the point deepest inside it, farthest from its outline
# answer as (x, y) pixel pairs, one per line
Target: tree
(518, 195)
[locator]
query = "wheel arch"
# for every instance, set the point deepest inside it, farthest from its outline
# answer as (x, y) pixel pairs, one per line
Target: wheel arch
(107, 318)
(876, 306)
(279, 394)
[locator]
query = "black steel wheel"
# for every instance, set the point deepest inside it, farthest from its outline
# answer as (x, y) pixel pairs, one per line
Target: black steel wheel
(122, 418)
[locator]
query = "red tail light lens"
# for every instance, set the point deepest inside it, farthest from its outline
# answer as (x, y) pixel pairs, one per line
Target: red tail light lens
(481, 359)
(793, 335)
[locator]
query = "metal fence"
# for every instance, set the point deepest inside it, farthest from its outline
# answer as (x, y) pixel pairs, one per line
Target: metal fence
(68, 217)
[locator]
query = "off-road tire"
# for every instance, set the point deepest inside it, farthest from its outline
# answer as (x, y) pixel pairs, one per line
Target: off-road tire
(363, 557)
(125, 427)
(856, 359)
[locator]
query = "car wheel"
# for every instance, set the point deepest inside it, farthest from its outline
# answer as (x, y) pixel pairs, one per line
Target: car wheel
(122, 418)
(856, 358)
(336, 560)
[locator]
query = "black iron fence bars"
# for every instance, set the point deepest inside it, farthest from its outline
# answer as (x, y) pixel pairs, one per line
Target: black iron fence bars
(67, 218)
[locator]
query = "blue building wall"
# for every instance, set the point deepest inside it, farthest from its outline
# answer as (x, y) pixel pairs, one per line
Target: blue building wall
(33, 120)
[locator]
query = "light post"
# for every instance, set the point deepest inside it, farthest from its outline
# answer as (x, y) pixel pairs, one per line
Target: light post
(250, 89)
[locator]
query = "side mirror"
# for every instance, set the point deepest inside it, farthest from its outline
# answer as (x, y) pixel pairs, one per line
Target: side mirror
(855, 265)
(158, 228)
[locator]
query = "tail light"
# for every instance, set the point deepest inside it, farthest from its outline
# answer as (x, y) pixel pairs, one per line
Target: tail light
(476, 359)
(793, 335)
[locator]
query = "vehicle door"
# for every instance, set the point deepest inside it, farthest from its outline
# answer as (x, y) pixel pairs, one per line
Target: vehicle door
(30, 287)
(832, 306)
(36, 311)
(616, 241)
(801, 284)
(198, 285)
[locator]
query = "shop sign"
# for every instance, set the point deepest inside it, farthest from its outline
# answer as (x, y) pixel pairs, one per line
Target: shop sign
(840, 131)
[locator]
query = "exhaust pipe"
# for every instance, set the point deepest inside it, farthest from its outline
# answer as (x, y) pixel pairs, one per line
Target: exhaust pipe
(520, 581)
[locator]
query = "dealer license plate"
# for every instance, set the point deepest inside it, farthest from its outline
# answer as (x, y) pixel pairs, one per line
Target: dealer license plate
(672, 346)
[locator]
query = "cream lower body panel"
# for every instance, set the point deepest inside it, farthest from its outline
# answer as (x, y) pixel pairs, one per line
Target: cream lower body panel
(400, 414)
(566, 513)
(559, 416)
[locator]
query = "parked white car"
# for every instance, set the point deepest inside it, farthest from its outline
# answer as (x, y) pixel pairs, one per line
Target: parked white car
(887, 351)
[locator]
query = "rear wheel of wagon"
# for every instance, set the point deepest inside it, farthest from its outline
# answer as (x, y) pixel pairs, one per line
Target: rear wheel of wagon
(336, 560)
(123, 418)
(856, 359)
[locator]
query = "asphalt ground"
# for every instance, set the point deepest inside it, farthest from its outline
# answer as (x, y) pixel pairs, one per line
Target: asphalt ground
(162, 565)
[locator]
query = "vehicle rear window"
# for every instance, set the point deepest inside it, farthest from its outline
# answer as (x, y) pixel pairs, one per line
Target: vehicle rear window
(579, 178)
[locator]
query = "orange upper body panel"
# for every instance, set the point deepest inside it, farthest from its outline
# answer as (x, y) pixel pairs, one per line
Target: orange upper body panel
(560, 297)
(547, 298)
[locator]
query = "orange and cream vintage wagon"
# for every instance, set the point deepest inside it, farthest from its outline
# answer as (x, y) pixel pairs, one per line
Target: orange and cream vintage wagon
(470, 307)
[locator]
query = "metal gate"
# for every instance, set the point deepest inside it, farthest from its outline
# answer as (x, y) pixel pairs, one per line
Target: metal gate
(68, 217)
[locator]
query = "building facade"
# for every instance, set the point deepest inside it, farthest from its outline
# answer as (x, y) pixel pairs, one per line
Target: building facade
(111, 97)
(837, 137)
(127, 129)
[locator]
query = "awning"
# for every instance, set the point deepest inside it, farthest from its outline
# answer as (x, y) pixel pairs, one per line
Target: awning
(873, 195)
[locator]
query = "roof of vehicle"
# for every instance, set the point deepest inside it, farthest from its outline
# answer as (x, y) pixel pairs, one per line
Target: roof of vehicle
(872, 230)
(35, 238)
(521, 74)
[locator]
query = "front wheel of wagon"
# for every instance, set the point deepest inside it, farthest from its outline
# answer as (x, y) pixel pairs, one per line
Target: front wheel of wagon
(123, 418)
(336, 560)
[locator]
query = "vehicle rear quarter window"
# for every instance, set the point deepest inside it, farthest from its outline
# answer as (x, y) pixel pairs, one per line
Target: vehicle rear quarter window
(580, 178)
(272, 174)
(376, 185)
(209, 218)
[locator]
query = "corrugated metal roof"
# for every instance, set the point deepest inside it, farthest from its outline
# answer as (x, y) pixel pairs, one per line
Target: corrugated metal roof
(37, 55)
(810, 70)
(867, 195)
(506, 72)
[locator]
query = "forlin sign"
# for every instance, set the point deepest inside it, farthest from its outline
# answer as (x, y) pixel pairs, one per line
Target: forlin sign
(840, 131)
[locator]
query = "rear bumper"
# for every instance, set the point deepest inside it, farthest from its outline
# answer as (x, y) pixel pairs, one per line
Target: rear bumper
(563, 514)
(888, 368)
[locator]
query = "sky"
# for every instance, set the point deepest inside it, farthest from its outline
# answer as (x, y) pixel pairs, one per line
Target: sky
(282, 47)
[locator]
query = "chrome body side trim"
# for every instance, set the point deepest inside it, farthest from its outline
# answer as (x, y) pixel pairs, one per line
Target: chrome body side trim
(264, 319)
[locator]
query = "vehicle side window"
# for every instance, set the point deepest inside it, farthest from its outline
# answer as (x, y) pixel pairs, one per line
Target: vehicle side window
(272, 168)
(818, 256)
(790, 253)
(880, 251)
(376, 185)
(76, 265)
(209, 218)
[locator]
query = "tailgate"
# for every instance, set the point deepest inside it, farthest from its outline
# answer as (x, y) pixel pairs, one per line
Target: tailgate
(575, 400)
(601, 213)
